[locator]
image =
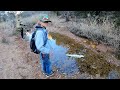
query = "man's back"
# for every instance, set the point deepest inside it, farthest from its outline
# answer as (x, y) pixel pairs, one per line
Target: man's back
(40, 40)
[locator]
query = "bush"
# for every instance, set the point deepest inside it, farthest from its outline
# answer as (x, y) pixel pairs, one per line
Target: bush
(104, 32)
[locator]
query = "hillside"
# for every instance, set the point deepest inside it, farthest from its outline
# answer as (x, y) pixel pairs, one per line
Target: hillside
(81, 37)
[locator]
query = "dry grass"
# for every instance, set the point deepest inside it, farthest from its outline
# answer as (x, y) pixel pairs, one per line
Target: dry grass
(104, 32)
(32, 19)
(7, 27)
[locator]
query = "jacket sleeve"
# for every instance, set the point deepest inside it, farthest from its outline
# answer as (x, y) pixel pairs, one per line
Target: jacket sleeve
(39, 42)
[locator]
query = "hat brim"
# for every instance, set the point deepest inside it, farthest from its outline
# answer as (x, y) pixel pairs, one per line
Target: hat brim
(46, 21)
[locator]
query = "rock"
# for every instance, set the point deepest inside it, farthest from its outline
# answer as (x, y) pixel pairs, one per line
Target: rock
(113, 75)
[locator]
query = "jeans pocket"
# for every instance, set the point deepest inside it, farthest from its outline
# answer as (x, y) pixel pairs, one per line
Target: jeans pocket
(45, 56)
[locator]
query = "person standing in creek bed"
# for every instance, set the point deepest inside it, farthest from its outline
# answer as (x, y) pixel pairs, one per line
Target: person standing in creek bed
(41, 37)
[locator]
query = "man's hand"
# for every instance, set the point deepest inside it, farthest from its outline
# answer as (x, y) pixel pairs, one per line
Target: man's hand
(27, 33)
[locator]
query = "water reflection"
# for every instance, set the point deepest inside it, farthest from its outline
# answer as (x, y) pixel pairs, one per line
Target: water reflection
(64, 64)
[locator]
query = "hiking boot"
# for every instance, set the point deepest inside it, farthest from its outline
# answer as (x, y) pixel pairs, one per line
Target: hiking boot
(50, 74)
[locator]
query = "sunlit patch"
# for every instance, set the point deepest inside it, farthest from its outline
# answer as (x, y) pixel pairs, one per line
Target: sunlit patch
(49, 36)
(93, 46)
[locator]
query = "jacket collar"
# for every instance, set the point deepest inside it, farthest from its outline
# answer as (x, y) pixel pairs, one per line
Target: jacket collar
(38, 26)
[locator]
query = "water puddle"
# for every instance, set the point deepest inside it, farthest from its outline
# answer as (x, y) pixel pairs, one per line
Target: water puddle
(63, 63)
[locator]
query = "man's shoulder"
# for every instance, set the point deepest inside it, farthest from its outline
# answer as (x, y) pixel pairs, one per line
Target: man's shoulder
(39, 31)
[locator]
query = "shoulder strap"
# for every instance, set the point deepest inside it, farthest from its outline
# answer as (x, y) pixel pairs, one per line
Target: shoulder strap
(33, 35)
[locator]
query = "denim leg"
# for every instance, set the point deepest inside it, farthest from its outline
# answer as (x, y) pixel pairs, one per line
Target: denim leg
(47, 64)
(48, 67)
(42, 64)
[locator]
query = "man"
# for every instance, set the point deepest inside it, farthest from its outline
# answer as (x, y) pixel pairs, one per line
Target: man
(19, 27)
(22, 32)
(45, 52)
(22, 27)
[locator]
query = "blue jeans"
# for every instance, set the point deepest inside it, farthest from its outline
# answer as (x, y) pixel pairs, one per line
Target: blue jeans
(45, 64)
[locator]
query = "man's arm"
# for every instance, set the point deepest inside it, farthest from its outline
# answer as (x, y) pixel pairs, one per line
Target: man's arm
(39, 42)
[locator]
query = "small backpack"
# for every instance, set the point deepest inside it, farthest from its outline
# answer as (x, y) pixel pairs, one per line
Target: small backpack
(32, 42)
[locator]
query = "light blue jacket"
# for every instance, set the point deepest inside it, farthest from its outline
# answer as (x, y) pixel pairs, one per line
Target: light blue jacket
(39, 41)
